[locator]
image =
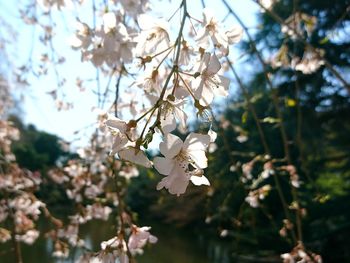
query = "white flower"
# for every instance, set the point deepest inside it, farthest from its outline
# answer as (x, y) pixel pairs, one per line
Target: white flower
(29, 237)
(224, 233)
(151, 82)
(186, 53)
(115, 124)
(268, 4)
(28, 206)
(310, 63)
(242, 138)
(112, 249)
(213, 30)
(134, 7)
(61, 250)
(139, 238)
(153, 37)
(212, 146)
(209, 83)
(71, 234)
(255, 195)
(98, 211)
(252, 199)
(234, 35)
(127, 152)
(120, 141)
(111, 243)
(182, 161)
(109, 22)
(82, 38)
(268, 170)
(129, 171)
(134, 155)
(121, 144)
(170, 111)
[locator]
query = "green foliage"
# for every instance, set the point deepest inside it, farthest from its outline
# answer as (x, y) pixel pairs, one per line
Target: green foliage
(36, 150)
(40, 151)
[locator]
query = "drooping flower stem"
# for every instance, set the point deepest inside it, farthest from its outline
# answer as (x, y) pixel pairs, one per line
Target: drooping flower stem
(121, 212)
(15, 243)
(173, 70)
(117, 91)
(308, 45)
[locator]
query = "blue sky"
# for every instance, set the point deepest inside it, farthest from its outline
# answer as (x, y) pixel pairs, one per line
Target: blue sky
(38, 105)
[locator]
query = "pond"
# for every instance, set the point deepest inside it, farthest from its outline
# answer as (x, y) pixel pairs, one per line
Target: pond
(174, 246)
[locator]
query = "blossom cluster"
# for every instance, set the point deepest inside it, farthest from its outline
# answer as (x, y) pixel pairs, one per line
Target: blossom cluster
(19, 206)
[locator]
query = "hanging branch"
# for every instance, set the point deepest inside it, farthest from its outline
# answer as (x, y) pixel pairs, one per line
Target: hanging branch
(330, 67)
(263, 141)
(276, 106)
(117, 91)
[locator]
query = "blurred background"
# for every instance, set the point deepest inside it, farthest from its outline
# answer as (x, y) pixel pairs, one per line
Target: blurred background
(241, 217)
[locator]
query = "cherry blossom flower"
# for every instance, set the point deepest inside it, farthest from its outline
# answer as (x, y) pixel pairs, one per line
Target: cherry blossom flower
(61, 250)
(213, 30)
(294, 177)
(112, 250)
(310, 62)
(224, 233)
(298, 254)
(186, 53)
(57, 176)
(28, 237)
(268, 4)
(255, 195)
(151, 82)
(139, 238)
(71, 234)
(268, 170)
(209, 83)
(82, 38)
(46, 5)
(172, 110)
(98, 211)
(28, 206)
(134, 7)
(153, 37)
(129, 171)
(122, 146)
(116, 40)
(296, 23)
(182, 162)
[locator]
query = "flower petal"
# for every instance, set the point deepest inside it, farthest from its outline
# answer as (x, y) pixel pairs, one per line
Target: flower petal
(136, 156)
(207, 94)
(196, 142)
(119, 141)
(234, 35)
(168, 123)
(214, 65)
(199, 180)
(163, 165)
(171, 146)
(176, 182)
(116, 123)
(199, 158)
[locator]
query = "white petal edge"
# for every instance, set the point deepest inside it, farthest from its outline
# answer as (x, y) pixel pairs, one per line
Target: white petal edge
(199, 180)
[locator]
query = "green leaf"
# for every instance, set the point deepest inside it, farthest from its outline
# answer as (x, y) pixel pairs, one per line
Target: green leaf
(244, 117)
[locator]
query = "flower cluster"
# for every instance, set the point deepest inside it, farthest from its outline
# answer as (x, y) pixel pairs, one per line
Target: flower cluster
(194, 75)
(117, 249)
